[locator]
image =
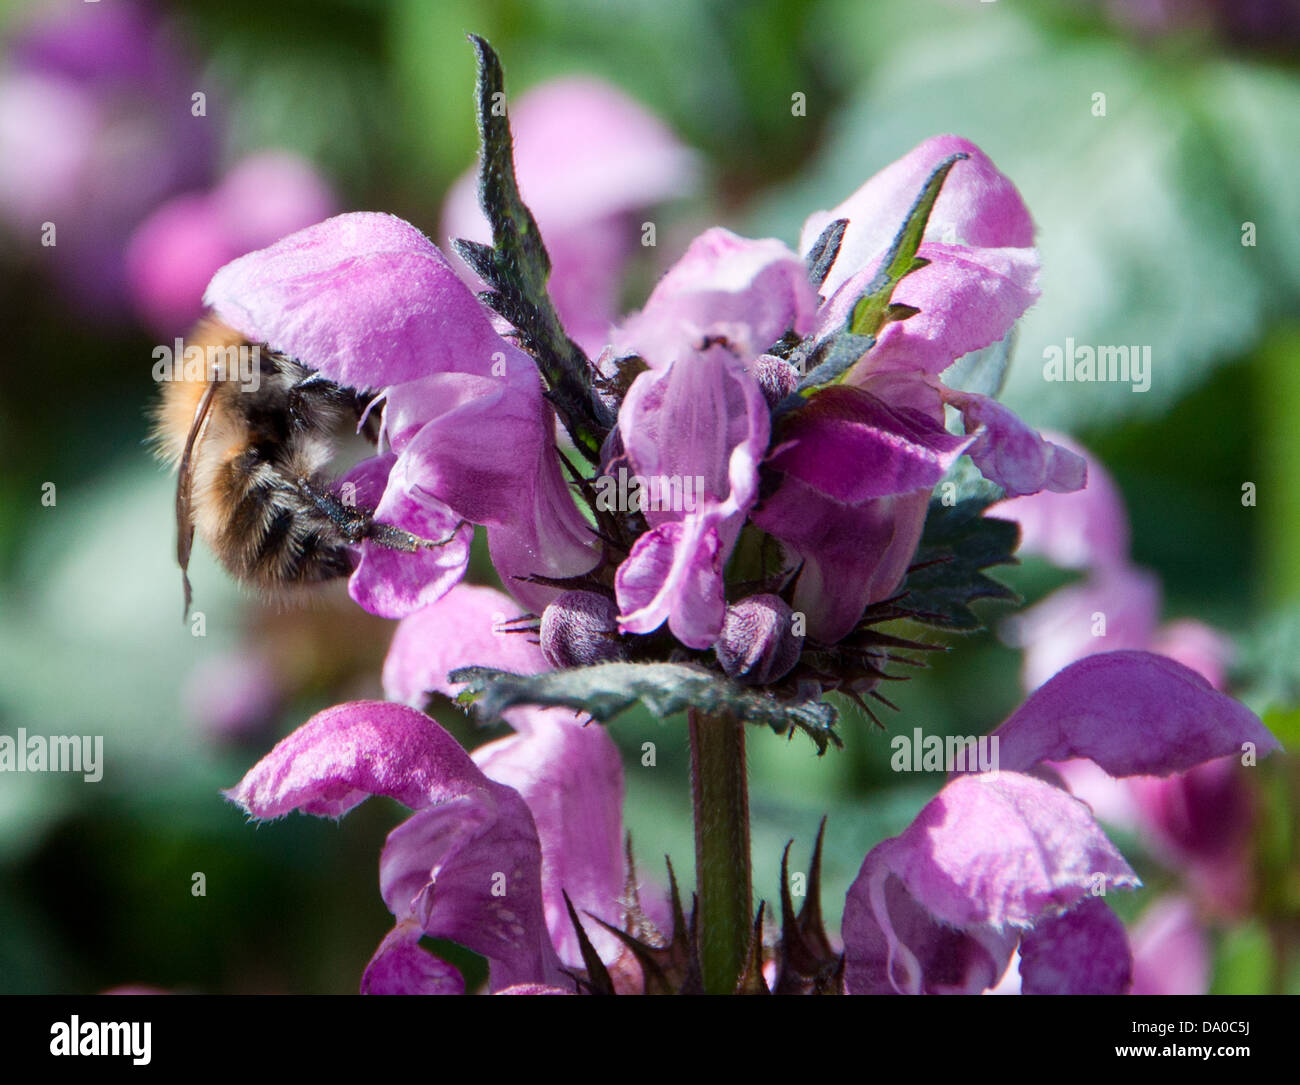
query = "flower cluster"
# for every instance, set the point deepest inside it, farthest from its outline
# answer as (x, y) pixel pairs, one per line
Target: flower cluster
(803, 395)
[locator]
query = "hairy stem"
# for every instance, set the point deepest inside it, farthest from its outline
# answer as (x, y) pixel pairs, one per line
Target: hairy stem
(723, 877)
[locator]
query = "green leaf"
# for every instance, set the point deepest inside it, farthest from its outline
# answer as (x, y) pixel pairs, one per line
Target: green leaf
(517, 267)
(605, 690)
(957, 544)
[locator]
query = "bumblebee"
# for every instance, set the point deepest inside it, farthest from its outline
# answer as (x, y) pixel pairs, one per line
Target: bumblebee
(252, 458)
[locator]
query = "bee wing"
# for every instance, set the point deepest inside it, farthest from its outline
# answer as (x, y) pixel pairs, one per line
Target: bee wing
(185, 491)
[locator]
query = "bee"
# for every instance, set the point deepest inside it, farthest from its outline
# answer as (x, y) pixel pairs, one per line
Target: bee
(252, 459)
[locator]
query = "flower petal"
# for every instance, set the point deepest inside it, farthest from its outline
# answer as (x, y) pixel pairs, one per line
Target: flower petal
(462, 629)
(349, 752)
(968, 298)
(1076, 530)
(702, 417)
(1011, 454)
(726, 287)
(851, 446)
(469, 869)
(393, 583)
(674, 573)
(571, 776)
(991, 854)
(363, 298)
(853, 555)
(401, 966)
(1083, 951)
(919, 955)
(1134, 714)
(485, 448)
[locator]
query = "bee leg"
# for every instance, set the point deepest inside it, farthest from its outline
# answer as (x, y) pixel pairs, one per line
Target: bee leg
(359, 524)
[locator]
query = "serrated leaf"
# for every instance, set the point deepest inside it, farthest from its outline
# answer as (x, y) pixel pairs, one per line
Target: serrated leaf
(607, 689)
(517, 267)
(957, 544)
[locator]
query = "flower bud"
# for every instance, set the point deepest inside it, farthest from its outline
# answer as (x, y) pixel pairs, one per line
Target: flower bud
(776, 377)
(580, 628)
(758, 644)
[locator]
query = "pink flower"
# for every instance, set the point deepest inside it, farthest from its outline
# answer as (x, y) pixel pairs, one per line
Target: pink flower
(175, 251)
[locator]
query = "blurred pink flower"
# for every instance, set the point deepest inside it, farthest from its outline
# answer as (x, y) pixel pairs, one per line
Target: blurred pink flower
(95, 129)
(233, 696)
(1196, 822)
(175, 252)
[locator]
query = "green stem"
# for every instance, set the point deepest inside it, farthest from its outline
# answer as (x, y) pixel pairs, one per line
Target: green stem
(722, 865)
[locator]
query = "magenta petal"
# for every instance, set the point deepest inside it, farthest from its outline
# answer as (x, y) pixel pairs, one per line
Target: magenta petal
(1134, 714)
(462, 629)
(1077, 530)
(852, 555)
(1011, 454)
(745, 292)
(571, 777)
(1001, 849)
(674, 574)
(349, 752)
(469, 869)
(394, 583)
(485, 448)
(991, 854)
(701, 417)
(928, 957)
(364, 298)
(547, 537)
(968, 299)
(401, 966)
(1083, 951)
(851, 446)
(978, 206)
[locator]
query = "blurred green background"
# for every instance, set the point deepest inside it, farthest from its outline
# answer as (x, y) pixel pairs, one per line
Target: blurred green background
(1140, 217)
